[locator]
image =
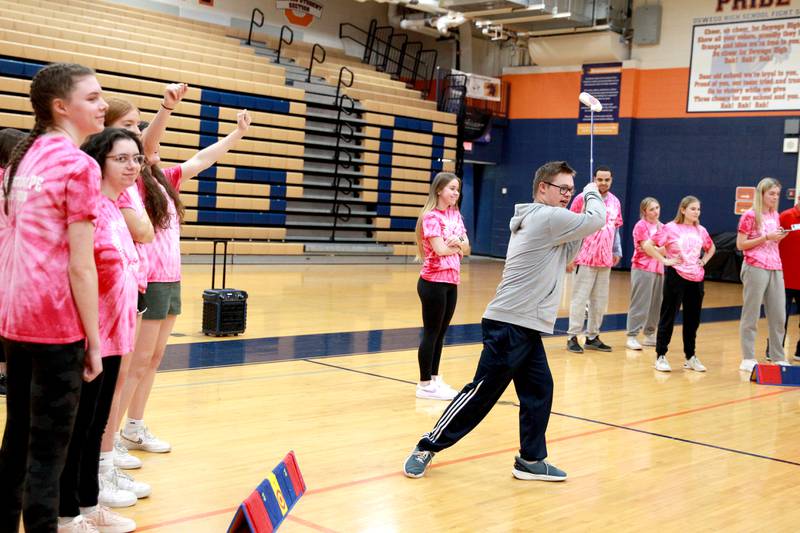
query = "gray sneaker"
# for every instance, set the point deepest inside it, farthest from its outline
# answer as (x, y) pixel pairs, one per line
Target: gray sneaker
(417, 463)
(573, 345)
(596, 344)
(537, 470)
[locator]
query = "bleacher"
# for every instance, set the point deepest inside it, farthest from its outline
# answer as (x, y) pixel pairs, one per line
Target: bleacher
(273, 194)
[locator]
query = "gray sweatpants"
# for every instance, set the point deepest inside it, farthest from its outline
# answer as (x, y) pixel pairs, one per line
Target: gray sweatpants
(589, 286)
(760, 285)
(647, 289)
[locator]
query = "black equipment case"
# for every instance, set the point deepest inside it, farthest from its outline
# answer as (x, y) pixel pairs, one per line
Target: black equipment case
(224, 310)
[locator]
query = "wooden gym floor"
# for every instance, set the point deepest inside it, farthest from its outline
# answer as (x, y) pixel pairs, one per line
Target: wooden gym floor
(327, 369)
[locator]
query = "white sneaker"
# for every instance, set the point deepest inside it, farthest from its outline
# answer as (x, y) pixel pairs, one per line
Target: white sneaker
(122, 459)
(444, 386)
(107, 521)
(748, 365)
(432, 391)
(694, 364)
(78, 525)
(649, 340)
(123, 481)
(662, 365)
(783, 363)
(142, 439)
(112, 496)
(633, 344)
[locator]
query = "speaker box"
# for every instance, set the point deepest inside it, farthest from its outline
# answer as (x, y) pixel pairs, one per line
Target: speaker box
(224, 310)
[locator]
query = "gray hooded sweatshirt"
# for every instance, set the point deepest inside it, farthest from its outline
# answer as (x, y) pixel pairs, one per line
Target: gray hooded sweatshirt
(543, 240)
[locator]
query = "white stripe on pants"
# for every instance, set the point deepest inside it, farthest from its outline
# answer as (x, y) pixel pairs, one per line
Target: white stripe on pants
(589, 286)
(760, 285)
(647, 289)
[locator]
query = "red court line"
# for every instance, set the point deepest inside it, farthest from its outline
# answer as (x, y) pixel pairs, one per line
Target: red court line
(440, 464)
(709, 406)
(231, 510)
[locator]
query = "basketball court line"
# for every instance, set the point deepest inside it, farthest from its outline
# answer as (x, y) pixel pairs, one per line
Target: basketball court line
(629, 426)
(441, 464)
(231, 510)
(606, 427)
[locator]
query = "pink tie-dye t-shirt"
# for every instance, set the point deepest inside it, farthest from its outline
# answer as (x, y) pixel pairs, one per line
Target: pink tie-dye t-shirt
(55, 185)
(444, 224)
(766, 255)
(117, 270)
(131, 199)
(643, 231)
(596, 250)
(685, 242)
(164, 253)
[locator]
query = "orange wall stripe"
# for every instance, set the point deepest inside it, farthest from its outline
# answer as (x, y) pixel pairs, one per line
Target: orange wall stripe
(544, 96)
(655, 93)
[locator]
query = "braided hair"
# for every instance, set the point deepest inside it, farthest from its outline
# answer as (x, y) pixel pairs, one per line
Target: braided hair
(52, 82)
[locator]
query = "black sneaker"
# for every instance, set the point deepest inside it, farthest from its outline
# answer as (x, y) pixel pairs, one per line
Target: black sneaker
(596, 344)
(797, 352)
(3, 383)
(573, 345)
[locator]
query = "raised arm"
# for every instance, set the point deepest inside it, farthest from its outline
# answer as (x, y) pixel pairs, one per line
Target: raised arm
(151, 137)
(567, 226)
(211, 154)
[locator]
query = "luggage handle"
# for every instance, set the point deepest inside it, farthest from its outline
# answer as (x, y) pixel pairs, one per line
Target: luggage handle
(224, 262)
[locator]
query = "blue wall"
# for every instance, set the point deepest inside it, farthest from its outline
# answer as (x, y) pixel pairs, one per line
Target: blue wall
(664, 158)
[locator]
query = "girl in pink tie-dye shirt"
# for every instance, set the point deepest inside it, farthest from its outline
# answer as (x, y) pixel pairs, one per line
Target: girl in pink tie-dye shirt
(762, 274)
(48, 289)
(647, 278)
(9, 137)
(442, 242)
(684, 240)
(162, 298)
(119, 153)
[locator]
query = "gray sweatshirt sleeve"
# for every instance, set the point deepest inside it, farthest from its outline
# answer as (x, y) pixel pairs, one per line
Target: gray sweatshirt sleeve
(566, 226)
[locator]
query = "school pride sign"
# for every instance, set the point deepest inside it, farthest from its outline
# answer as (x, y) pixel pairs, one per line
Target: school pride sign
(745, 66)
(603, 81)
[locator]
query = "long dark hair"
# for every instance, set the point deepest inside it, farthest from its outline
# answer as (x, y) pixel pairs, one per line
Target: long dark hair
(100, 145)
(154, 201)
(9, 137)
(53, 81)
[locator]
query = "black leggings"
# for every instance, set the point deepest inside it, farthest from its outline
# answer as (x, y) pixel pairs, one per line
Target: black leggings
(677, 291)
(79, 484)
(438, 304)
(44, 386)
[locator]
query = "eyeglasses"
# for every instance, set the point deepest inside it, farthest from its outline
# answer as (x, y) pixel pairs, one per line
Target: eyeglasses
(137, 159)
(563, 189)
